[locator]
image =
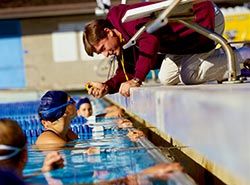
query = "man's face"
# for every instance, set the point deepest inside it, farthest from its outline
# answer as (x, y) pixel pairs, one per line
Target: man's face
(108, 46)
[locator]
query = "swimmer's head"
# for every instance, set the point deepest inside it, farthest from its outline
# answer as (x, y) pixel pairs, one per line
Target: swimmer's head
(13, 150)
(84, 107)
(53, 105)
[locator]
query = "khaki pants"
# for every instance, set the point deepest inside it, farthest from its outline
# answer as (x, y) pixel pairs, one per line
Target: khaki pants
(197, 68)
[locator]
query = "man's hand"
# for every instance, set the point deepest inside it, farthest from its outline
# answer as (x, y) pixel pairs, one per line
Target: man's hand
(97, 89)
(53, 160)
(125, 87)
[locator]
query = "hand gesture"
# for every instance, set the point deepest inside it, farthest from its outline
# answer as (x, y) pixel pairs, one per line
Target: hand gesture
(96, 89)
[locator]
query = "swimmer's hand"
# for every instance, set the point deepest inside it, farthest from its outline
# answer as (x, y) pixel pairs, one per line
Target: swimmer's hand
(114, 111)
(124, 123)
(92, 151)
(135, 134)
(53, 160)
(162, 171)
(96, 89)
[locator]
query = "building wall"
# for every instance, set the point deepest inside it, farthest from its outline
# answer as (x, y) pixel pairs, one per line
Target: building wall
(11, 57)
(53, 54)
(237, 23)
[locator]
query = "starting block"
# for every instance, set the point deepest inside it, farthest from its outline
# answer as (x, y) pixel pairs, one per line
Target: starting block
(178, 11)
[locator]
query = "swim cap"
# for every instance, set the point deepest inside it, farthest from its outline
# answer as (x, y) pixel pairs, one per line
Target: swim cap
(82, 101)
(52, 105)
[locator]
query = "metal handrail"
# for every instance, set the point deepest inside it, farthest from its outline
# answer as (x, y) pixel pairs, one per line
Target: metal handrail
(163, 19)
(232, 74)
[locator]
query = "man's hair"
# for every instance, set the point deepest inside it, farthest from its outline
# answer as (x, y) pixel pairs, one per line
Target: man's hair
(11, 135)
(93, 33)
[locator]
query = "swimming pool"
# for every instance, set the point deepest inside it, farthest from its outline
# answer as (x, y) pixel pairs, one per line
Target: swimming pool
(118, 158)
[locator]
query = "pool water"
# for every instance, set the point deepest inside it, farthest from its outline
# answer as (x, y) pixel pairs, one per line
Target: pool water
(118, 158)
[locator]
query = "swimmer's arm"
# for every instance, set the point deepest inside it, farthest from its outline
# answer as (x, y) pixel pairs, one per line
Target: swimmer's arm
(161, 171)
(36, 173)
(52, 161)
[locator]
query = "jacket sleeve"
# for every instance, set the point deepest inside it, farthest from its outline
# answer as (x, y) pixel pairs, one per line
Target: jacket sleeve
(144, 56)
(147, 52)
(115, 82)
(148, 46)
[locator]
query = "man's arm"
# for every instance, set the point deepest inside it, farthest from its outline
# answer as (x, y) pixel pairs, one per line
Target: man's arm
(115, 82)
(148, 47)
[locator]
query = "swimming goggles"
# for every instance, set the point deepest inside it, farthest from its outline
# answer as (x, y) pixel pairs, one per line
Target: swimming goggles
(12, 154)
(45, 113)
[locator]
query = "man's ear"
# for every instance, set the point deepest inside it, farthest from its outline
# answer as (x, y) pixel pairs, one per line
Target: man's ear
(109, 32)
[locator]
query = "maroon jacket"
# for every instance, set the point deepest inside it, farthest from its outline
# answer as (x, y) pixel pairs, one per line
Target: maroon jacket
(174, 38)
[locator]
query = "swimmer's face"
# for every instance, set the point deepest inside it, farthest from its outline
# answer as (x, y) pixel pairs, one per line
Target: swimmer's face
(71, 108)
(85, 110)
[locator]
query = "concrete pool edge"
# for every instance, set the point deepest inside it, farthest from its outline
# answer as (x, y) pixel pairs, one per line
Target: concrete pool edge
(220, 173)
(225, 98)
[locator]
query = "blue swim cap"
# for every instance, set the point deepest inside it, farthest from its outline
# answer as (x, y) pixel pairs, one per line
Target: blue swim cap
(82, 101)
(52, 105)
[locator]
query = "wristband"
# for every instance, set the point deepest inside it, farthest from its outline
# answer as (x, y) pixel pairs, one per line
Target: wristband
(137, 81)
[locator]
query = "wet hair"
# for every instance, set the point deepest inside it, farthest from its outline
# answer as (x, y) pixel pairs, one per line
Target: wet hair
(82, 101)
(51, 106)
(93, 33)
(11, 135)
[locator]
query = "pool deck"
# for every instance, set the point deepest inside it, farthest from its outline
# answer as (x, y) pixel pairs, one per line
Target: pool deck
(211, 120)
